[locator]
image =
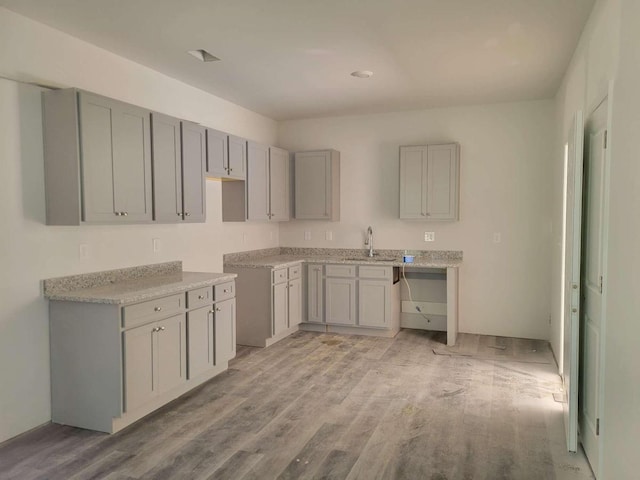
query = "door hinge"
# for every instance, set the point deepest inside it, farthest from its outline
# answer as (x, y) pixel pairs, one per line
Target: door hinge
(597, 426)
(600, 283)
(606, 134)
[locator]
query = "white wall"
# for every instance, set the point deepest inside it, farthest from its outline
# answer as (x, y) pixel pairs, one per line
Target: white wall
(506, 153)
(585, 83)
(31, 251)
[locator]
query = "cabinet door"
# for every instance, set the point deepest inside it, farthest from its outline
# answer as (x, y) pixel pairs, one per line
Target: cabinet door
(167, 168)
(237, 149)
(96, 140)
(171, 353)
(295, 302)
(140, 370)
(280, 308)
(413, 172)
(340, 301)
(313, 185)
(314, 294)
(258, 205)
(217, 153)
(374, 302)
(225, 331)
(200, 338)
(279, 184)
(193, 165)
(442, 182)
(132, 163)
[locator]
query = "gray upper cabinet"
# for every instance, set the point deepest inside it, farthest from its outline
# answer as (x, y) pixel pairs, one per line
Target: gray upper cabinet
(179, 155)
(267, 183)
(193, 166)
(97, 159)
(237, 151)
(429, 182)
(226, 155)
(167, 168)
(317, 185)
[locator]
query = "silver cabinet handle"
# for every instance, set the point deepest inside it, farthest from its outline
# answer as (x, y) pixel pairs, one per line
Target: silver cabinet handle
(187, 214)
(179, 214)
(200, 297)
(226, 291)
(117, 214)
(161, 329)
(211, 311)
(125, 213)
(574, 310)
(157, 309)
(230, 169)
(157, 329)
(218, 310)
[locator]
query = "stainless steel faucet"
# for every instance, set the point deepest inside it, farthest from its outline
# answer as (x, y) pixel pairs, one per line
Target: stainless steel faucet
(369, 241)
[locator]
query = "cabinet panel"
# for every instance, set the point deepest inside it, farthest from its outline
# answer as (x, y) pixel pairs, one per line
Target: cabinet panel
(217, 153)
(315, 294)
(199, 297)
(151, 310)
(312, 185)
(199, 340)
(237, 148)
(374, 303)
(442, 184)
(96, 138)
(225, 334)
(171, 353)
(279, 184)
(340, 270)
(257, 182)
(280, 308)
(413, 169)
(140, 371)
(132, 162)
(224, 291)
(167, 168)
(295, 302)
(193, 165)
(340, 301)
(375, 272)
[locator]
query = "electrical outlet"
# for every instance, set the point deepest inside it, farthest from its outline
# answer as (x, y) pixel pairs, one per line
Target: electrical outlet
(328, 235)
(156, 245)
(497, 237)
(429, 236)
(245, 237)
(83, 251)
(307, 235)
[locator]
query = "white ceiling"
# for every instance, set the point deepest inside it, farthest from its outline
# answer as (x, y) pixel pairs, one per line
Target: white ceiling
(292, 58)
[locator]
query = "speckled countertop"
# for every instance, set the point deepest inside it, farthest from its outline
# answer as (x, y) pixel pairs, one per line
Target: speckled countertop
(130, 285)
(286, 257)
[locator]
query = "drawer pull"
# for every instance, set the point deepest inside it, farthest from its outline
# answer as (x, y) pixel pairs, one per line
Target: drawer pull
(226, 291)
(218, 310)
(200, 297)
(157, 309)
(161, 329)
(211, 311)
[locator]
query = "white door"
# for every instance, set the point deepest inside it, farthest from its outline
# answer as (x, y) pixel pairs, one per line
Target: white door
(592, 281)
(573, 229)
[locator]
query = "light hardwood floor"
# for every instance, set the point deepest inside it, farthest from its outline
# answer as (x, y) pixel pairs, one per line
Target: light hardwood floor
(336, 407)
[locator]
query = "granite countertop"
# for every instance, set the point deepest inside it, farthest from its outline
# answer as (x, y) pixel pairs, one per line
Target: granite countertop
(288, 257)
(130, 285)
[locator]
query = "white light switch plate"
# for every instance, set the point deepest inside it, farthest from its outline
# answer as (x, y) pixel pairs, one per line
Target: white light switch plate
(497, 237)
(156, 245)
(429, 236)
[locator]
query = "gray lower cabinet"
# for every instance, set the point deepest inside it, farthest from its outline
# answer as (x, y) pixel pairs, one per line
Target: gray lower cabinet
(267, 183)
(358, 297)
(315, 293)
(269, 303)
(429, 182)
(112, 365)
(317, 185)
(97, 154)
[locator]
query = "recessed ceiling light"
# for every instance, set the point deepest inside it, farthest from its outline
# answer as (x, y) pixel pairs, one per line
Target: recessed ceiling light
(203, 55)
(362, 73)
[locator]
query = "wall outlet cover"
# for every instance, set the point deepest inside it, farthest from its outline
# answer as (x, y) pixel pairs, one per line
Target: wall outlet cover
(429, 236)
(307, 235)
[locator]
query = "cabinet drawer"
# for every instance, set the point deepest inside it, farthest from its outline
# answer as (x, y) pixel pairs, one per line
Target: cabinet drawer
(294, 272)
(279, 276)
(199, 297)
(152, 310)
(340, 270)
(375, 272)
(224, 291)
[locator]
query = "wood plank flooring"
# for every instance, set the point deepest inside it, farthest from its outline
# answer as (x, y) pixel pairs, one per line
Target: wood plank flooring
(323, 406)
